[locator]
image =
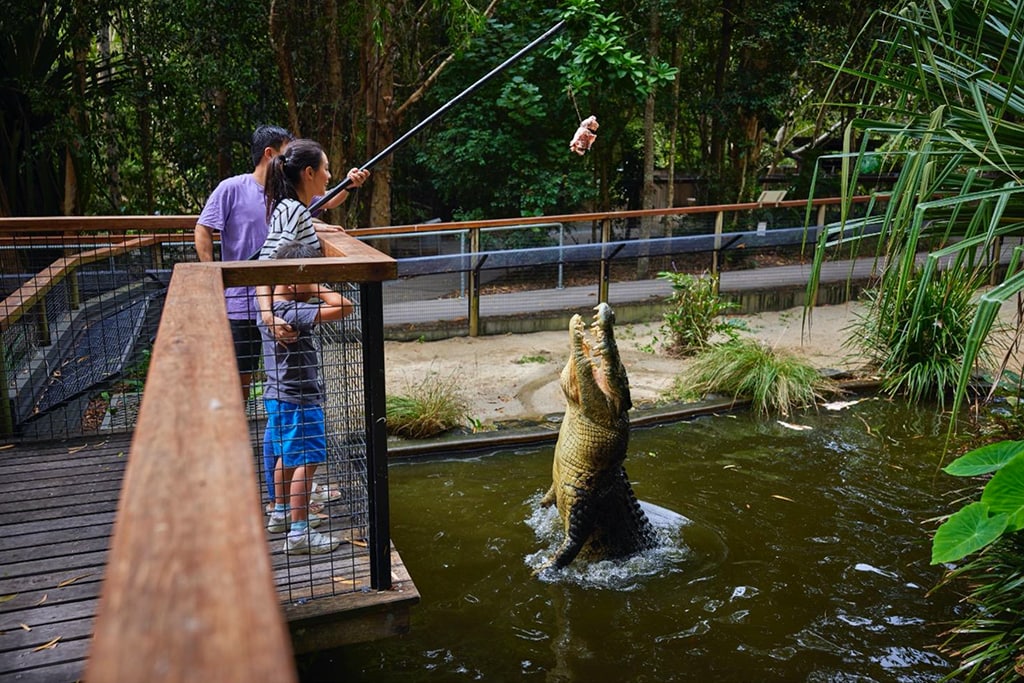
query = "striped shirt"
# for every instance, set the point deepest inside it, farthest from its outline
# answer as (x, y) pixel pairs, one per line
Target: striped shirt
(290, 222)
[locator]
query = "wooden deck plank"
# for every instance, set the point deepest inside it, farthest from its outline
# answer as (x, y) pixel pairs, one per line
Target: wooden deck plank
(54, 529)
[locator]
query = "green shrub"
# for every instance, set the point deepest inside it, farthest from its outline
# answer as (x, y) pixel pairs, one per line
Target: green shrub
(917, 337)
(693, 315)
(775, 382)
(428, 408)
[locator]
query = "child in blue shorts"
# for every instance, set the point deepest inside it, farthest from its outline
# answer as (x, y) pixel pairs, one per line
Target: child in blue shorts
(294, 397)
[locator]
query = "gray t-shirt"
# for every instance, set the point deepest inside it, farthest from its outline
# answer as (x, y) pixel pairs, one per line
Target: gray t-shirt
(293, 370)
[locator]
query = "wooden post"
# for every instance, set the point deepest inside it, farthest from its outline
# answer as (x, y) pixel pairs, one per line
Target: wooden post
(74, 290)
(474, 284)
(42, 322)
(605, 271)
(719, 224)
(372, 308)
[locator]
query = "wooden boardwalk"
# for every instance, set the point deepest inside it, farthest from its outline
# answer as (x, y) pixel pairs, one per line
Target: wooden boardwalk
(57, 506)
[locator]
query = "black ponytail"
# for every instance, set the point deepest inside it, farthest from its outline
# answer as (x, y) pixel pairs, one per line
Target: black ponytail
(286, 169)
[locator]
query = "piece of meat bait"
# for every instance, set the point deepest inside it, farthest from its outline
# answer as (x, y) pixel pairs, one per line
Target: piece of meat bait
(585, 135)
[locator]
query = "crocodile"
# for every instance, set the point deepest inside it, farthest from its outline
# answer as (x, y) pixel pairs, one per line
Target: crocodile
(595, 501)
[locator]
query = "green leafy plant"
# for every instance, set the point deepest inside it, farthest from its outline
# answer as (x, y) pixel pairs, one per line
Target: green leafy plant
(987, 640)
(693, 315)
(999, 511)
(429, 407)
(774, 381)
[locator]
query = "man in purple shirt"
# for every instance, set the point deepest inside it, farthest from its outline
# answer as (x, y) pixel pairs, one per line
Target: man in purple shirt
(237, 210)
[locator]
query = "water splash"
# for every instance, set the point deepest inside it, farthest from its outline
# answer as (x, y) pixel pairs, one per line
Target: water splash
(669, 555)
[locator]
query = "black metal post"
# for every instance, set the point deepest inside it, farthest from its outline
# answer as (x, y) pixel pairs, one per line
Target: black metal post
(371, 300)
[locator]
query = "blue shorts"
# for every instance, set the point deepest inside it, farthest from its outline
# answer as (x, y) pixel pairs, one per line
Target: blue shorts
(295, 433)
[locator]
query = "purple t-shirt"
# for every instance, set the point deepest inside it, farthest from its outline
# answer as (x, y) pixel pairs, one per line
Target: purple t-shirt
(237, 209)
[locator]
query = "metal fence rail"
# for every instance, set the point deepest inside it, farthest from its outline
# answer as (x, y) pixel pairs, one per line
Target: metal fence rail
(82, 296)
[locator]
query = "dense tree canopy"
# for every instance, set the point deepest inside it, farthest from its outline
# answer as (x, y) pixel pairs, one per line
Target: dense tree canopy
(115, 107)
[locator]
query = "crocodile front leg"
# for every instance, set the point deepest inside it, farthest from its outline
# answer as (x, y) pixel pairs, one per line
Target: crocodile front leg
(579, 527)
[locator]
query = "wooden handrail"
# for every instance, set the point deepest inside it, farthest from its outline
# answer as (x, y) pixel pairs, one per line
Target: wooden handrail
(148, 224)
(188, 593)
(597, 217)
(20, 300)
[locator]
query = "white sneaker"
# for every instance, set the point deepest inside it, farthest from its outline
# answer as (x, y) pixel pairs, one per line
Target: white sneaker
(310, 542)
(278, 523)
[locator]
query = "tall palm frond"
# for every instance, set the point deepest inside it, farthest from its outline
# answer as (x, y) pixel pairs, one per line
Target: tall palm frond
(944, 95)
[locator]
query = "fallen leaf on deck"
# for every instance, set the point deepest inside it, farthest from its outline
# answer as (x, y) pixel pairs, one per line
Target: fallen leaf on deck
(48, 646)
(68, 582)
(8, 598)
(6, 446)
(42, 599)
(775, 495)
(78, 448)
(342, 579)
(25, 627)
(798, 428)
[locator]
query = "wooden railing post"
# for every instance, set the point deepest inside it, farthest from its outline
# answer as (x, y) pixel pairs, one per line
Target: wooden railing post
(719, 225)
(474, 284)
(188, 593)
(605, 270)
(372, 307)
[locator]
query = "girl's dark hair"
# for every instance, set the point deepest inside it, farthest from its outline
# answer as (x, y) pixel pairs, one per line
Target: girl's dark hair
(285, 170)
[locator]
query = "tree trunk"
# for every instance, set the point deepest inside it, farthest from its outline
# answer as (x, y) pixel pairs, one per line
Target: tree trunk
(279, 44)
(380, 95)
(649, 190)
(719, 125)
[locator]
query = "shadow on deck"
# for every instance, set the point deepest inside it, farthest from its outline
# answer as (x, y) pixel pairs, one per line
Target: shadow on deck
(58, 501)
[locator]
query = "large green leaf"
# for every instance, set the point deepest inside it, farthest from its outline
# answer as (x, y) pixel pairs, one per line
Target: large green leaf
(967, 531)
(1004, 493)
(986, 459)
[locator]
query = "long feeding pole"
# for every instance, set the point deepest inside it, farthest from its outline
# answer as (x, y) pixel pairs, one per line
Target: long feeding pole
(437, 114)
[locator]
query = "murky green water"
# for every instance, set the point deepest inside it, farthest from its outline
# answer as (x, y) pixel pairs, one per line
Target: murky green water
(805, 559)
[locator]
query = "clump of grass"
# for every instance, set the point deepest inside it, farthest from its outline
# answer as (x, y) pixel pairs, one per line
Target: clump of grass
(428, 408)
(774, 381)
(987, 639)
(917, 339)
(538, 358)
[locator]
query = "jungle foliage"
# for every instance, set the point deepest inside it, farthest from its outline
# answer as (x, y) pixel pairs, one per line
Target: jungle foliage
(111, 107)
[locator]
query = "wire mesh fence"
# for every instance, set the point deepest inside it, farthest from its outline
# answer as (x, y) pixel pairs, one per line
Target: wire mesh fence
(78, 323)
(307, 404)
(453, 283)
